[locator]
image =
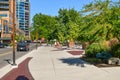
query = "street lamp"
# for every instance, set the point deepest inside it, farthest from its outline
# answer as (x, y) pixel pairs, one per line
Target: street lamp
(1, 31)
(36, 37)
(13, 34)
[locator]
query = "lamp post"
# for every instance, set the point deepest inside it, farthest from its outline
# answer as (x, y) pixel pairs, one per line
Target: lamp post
(36, 38)
(1, 29)
(13, 34)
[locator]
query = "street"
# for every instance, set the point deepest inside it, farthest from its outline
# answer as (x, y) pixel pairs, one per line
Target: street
(6, 55)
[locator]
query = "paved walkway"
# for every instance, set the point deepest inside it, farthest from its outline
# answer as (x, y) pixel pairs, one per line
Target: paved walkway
(20, 73)
(48, 63)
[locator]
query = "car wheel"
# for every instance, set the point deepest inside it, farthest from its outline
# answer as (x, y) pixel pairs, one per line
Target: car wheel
(26, 50)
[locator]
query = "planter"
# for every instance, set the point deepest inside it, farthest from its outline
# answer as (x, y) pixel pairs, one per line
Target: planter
(71, 44)
(85, 44)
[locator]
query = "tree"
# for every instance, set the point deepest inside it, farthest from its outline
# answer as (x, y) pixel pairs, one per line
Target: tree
(115, 20)
(69, 21)
(45, 25)
(99, 21)
(20, 37)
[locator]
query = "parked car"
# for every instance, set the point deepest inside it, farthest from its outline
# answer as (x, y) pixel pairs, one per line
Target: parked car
(5, 44)
(2, 45)
(25, 41)
(28, 41)
(22, 46)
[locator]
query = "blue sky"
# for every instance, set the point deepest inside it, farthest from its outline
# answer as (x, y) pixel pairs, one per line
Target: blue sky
(51, 7)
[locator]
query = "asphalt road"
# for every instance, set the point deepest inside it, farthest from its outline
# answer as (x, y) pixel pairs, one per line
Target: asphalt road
(6, 54)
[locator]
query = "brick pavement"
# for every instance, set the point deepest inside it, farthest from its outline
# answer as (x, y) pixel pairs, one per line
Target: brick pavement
(20, 73)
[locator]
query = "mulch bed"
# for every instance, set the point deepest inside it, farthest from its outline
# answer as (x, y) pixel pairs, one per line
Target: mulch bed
(99, 64)
(20, 73)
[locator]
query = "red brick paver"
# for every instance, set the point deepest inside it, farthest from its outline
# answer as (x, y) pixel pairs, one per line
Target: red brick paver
(20, 73)
(75, 52)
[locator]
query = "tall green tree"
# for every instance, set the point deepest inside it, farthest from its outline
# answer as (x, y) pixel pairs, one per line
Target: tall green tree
(69, 21)
(98, 18)
(115, 20)
(45, 25)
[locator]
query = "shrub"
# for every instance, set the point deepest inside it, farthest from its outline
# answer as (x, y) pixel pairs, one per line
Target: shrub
(93, 60)
(93, 49)
(103, 55)
(115, 50)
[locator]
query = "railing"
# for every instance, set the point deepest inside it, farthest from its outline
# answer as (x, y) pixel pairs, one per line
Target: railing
(4, 2)
(7, 35)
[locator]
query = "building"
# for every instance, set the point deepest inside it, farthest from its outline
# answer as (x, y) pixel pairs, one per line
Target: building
(6, 21)
(23, 15)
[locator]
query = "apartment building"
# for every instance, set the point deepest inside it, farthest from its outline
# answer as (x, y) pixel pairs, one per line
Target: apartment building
(6, 21)
(23, 13)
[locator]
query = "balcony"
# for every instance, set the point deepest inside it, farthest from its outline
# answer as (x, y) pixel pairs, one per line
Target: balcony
(7, 35)
(4, 8)
(4, 2)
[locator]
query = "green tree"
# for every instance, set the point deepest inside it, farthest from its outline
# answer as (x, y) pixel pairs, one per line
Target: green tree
(98, 20)
(45, 25)
(115, 20)
(69, 21)
(20, 38)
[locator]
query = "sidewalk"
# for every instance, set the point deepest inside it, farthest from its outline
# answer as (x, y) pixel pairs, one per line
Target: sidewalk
(48, 63)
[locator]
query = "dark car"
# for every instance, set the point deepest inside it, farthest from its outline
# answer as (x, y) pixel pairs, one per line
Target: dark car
(2, 45)
(28, 41)
(22, 46)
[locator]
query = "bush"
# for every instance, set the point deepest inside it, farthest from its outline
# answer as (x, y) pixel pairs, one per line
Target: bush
(93, 60)
(103, 55)
(10, 44)
(115, 50)
(93, 49)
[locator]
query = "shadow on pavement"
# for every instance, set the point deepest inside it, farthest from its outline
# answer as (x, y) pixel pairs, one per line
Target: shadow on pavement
(74, 61)
(59, 49)
(9, 61)
(22, 77)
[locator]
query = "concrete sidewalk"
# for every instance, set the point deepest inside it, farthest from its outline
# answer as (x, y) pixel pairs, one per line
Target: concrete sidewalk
(49, 63)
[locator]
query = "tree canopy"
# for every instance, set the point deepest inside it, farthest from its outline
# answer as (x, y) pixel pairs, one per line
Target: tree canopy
(97, 21)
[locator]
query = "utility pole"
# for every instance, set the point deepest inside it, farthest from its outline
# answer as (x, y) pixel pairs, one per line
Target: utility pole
(13, 34)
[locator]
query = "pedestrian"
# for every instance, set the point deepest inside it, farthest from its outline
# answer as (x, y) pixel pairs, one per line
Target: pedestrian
(55, 44)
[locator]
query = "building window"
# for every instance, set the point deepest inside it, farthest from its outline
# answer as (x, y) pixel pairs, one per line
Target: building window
(0, 27)
(3, 15)
(6, 28)
(4, 0)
